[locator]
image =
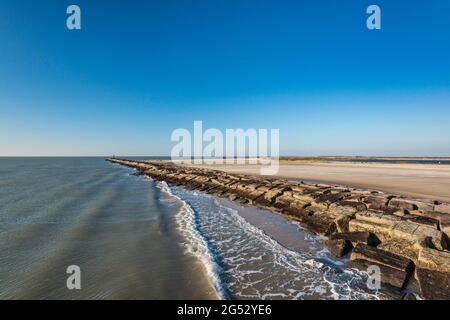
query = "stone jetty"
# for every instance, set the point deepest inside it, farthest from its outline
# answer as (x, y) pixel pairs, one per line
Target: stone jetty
(408, 239)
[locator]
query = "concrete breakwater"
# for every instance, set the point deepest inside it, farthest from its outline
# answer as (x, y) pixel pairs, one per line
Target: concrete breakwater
(406, 238)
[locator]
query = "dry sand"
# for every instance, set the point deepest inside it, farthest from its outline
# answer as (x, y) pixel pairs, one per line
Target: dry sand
(415, 180)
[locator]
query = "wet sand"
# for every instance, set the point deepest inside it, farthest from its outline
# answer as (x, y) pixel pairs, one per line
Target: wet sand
(414, 180)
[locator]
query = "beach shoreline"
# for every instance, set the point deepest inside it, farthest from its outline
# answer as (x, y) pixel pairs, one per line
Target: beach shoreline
(423, 181)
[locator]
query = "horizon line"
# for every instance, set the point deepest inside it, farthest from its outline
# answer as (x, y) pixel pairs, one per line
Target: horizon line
(281, 157)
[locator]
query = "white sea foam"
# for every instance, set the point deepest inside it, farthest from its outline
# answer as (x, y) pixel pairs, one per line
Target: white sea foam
(303, 259)
(243, 261)
(196, 243)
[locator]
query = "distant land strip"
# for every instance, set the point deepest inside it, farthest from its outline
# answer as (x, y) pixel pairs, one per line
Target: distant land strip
(435, 160)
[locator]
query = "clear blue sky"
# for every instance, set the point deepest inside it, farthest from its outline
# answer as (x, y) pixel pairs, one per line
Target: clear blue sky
(139, 69)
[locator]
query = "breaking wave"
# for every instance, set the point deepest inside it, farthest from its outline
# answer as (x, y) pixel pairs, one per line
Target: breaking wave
(244, 262)
(196, 243)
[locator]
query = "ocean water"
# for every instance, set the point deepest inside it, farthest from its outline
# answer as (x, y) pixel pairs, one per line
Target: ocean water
(56, 212)
(134, 238)
(406, 161)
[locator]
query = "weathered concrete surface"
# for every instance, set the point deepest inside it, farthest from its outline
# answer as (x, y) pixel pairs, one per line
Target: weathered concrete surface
(433, 273)
(338, 247)
(387, 230)
(395, 269)
(357, 237)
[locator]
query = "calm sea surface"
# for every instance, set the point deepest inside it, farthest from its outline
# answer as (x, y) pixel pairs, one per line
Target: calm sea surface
(414, 161)
(134, 238)
(56, 212)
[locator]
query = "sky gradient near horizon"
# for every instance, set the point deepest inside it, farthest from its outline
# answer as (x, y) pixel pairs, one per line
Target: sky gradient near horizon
(140, 69)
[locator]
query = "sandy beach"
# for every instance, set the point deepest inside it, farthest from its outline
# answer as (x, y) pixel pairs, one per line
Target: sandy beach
(414, 180)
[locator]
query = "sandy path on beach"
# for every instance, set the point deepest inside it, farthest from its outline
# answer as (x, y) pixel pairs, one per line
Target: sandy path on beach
(414, 180)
